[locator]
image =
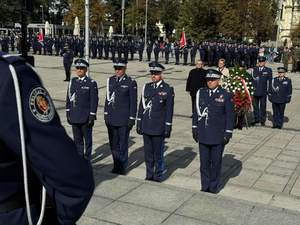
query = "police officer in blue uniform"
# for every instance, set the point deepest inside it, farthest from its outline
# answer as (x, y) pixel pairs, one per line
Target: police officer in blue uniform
(141, 46)
(262, 78)
(68, 56)
(177, 52)
(32, 126)
(213, 121)
(100, 47)
(156, 50)
(81, 108)
(149, 50)
(280, 93)
(120, 113)
(167, 51)
(154, 121)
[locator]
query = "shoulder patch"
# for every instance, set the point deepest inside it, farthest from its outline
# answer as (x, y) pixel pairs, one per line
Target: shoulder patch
(41, 105)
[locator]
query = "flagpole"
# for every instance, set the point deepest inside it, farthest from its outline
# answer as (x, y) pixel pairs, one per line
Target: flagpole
(123, 9)
(87, 33)
(146, 23)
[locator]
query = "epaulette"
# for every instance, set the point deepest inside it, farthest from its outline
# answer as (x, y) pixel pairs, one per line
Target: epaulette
(11, 59)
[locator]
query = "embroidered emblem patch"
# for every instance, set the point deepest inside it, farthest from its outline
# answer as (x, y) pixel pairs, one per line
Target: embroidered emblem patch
(40, 105)
(162, 93)
(220, 99)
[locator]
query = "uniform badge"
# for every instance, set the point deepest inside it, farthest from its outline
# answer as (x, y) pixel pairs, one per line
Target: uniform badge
(162, 93)
(220, 99)
(40, 105)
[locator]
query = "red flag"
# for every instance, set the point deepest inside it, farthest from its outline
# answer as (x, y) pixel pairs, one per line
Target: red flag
(182, 40)
(40, 36)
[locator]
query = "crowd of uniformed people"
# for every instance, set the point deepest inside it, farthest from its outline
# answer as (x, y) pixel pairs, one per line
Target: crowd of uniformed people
(131, 47)
(32, 119)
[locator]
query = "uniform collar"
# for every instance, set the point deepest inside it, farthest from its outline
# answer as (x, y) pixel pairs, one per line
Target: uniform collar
(121, 78)
(158, 83)
(81, 78)
(213, 90)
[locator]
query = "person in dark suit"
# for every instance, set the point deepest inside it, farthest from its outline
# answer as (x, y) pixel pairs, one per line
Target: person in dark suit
(262, 79)
(81, 108)
(280, 93)
(213, 121)
(120, 113)
(195, 81)
(31, 134)
(154, 121)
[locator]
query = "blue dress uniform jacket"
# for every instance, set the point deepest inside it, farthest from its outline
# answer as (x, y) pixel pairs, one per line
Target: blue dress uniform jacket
(280, 90)
(156, 109)
(261, 80)
(48, 147)
(119, 114)
(213, 121)
(279, 94)
(155, 123)
(213, 116)
(261, 83)
(82, 100)
(121, 101)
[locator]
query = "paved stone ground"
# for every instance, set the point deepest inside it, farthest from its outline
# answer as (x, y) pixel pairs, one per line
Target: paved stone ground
(260, 165)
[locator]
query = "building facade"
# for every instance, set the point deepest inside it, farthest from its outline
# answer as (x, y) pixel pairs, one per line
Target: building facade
(287, 20)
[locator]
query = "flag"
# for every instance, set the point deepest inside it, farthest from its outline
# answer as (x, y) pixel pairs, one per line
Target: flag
(182, 40)
(40, 36)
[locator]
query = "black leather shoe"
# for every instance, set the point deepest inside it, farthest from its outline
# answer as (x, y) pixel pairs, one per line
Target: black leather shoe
(122, 172)
(262, 124)
(115, 170)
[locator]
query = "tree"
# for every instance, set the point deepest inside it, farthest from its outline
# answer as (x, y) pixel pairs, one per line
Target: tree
(135, 16)
(115, 13)
(168, 8)
(236, 19)
(76, 8)
(198, 18)
(229, 25)
(10, 11)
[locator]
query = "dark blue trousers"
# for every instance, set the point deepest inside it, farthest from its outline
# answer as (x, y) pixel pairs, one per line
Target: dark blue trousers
(83, 139)
(154, 156)
(210, 166)
(177, 58)
(259, 106)
(18, 217)
(278, 114)
(118, 141)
